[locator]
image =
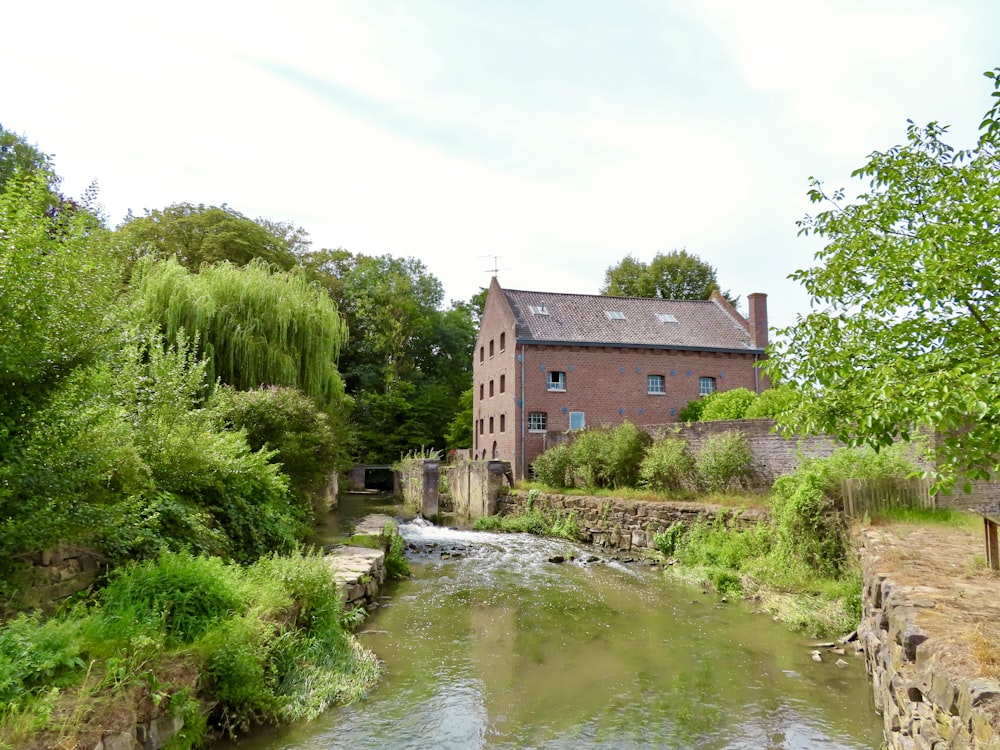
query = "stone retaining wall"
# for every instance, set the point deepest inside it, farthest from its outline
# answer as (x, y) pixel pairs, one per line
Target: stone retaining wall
(923, 704)
(626, 525)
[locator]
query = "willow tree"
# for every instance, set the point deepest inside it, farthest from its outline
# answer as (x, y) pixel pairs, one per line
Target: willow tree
(254, 325)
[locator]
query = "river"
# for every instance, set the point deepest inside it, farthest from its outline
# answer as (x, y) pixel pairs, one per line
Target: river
(490, 644)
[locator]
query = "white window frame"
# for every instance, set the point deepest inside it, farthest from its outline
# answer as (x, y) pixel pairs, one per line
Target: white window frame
(559, 384)
(538, 309)
(615, 314)
(666, 318)
(660, 384)
(706, 385)
(540, 417)
(580, 420)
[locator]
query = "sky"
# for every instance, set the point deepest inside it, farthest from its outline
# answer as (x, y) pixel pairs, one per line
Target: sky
(545, 139)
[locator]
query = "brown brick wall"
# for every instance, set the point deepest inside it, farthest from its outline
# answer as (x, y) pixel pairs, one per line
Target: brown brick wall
(609, 384)
(498, 324)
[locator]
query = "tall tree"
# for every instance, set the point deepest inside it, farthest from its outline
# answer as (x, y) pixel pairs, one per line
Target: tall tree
(407, 361)
(198, 235)
(674, 275)
(17, 156)
(905, 330)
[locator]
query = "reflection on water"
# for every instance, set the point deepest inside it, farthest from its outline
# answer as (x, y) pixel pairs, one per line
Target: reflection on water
(490, 645)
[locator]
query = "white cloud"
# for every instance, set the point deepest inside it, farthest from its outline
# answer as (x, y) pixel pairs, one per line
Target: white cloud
(559, 139)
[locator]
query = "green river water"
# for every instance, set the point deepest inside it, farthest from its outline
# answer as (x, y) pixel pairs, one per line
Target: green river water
(491, 645)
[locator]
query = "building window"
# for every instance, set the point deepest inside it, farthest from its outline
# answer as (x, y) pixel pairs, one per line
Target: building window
(615, 314)
(491, 389)
(491, 425)
(666, 318)
(706, 386)
(480, 426)
(537, 421)
(654, 384)
(496, 453)
(481, 392)
(503, 342)
(577, 420)
(491, 348)
(482, 355)
(557, 380)
(503, 423)
(503, 383)
(538, 309)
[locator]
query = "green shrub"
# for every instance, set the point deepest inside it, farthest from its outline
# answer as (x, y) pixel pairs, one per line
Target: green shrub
(727, 583)
(554, 466)
(609, 457)
(725, 462)
(396, 565)
(668, 541)
(731, 404)
(809, 528)
(628, 447)
(691, 412)
(857, 463)
(773, 402)
(289, 423)
(177, 595)
(37, 655)
(667, 465)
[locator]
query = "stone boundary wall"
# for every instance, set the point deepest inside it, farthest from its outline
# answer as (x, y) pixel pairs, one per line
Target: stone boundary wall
(625, 525)
(56, 574)
(774, 455)
(923, 705)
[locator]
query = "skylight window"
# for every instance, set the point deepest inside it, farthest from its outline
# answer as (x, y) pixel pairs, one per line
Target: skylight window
(666, 318)
(538, 309)
(614, 315)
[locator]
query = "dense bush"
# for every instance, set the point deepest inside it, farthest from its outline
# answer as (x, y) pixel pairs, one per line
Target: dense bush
(691, 412)
(809, 529)
(725, 462)
(731, 404)
(773, 402)
(268, 641)
(288, 422)
(554, 466)
(609, 457)
(668, 465)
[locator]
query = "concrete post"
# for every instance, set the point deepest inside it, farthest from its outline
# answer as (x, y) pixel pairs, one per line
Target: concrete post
(429, 496)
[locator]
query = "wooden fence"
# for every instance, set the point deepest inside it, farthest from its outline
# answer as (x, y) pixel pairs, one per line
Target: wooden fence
(863, 496)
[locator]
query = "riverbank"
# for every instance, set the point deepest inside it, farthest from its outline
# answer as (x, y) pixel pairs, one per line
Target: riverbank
(176, 643)
(931, 635)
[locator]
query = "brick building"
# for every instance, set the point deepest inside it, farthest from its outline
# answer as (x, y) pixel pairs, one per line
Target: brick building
(547, 363)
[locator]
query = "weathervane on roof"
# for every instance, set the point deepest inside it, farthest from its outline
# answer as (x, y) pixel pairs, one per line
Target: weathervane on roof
(496, 268)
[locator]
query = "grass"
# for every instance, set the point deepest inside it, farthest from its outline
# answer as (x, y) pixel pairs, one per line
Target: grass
(265, 642)
(926, 516)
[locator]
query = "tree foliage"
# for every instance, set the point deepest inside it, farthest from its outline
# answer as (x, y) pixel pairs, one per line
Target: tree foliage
(905, 330)
(674, 275)
(57, 282)
(196, 235)
(408, 361)
(20, 158)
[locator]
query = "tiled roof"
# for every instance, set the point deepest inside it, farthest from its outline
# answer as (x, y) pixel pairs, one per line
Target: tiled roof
(584, 319)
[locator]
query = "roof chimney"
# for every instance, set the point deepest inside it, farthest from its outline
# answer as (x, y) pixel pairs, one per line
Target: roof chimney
(757, 303)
